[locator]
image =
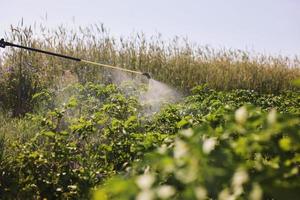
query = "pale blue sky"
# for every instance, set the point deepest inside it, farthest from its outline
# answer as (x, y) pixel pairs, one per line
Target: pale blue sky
(267, 26)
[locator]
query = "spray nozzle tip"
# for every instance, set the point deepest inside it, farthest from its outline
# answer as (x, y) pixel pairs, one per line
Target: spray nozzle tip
(2, 43)
(147, 75)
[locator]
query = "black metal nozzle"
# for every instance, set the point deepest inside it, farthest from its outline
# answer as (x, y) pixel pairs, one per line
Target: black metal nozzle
(2, 43)
(147, 75)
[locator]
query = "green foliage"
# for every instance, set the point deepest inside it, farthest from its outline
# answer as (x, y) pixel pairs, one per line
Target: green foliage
(258, 159)
(94, 135)
(93, 139)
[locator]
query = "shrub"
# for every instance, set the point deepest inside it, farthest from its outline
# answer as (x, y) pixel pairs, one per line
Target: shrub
(253, 155)
(86, 134)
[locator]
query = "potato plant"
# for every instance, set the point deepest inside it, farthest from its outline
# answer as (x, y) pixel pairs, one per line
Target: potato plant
(95, 141)
(253, 155)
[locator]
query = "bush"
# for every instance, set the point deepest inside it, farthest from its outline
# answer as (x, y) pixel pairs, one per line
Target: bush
(253, 155)
(95, 134)
(86, 134)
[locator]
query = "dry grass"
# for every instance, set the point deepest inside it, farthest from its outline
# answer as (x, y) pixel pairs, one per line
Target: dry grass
(176, 62)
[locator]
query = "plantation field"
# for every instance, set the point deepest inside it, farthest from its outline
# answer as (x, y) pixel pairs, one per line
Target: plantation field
(226, 125)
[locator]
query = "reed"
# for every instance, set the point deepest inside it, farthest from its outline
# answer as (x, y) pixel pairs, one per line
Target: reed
(176, 62)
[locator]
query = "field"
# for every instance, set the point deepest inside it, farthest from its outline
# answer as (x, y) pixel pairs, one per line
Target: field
(214, 124)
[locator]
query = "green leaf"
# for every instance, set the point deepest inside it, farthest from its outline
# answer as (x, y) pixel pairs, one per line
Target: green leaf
(285, 143)
(182, 123)
(72, 102)
(64, 133)
(34, 154)
(296, 82)
(49, 133)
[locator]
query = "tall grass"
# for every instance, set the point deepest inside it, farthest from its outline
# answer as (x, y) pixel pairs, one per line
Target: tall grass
(177, 62)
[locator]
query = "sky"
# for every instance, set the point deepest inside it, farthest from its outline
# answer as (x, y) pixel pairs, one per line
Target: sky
(262, 26)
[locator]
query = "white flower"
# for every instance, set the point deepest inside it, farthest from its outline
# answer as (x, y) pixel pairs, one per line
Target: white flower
(225, 195)
(165, 191)
(239, 177)
(145, 181)
(200, 193)
(72, 187)
(272, 116)
(241, 115)
(180, 149)
(187, 132)
(186, 175)
(209, 145)
(145, 195)
(256, 193)
(162, 149)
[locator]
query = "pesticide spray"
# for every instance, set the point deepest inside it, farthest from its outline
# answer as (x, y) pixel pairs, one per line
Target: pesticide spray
(156, 95)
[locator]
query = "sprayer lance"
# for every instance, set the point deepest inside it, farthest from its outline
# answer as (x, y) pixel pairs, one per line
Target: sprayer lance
(3, 44)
